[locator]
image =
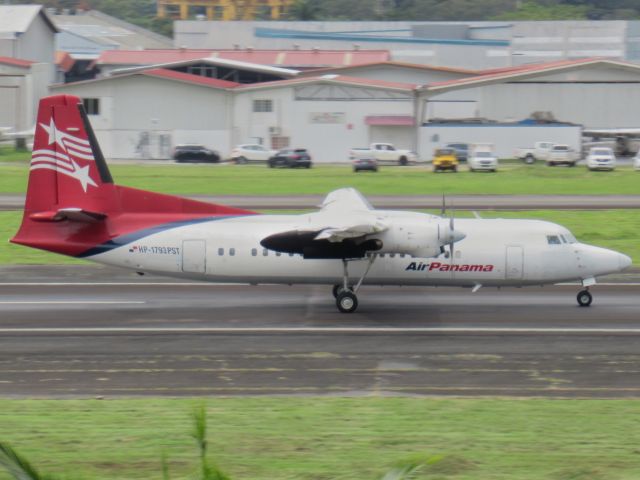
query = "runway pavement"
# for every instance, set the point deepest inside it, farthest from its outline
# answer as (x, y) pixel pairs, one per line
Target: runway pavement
(460, 202)
(92, 331)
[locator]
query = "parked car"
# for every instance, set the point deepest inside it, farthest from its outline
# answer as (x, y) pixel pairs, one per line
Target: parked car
(540, 151)
(195, 153)
(360, 164)
(481, 157)
(290, 157)
(251, 152)
(601, 158)
(384, 153)
(445, 159)
(562, 155)
(462, 150)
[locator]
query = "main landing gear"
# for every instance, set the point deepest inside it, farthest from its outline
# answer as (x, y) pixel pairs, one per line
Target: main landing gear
(345, 295)
(584, 298)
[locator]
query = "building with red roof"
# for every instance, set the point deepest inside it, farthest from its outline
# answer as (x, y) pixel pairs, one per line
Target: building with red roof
(290, 59)
(144, 111)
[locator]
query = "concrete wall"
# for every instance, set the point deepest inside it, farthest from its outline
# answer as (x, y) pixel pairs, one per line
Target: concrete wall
(38, 44)
(529, 41)
(599, 105)
(298, 119)
(505, 138)
(20, 91)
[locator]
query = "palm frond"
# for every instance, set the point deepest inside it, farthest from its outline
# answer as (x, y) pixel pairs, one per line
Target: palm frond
(165, 466)
(212, 472)
(401, 473)
(18, 466)
(200, 429)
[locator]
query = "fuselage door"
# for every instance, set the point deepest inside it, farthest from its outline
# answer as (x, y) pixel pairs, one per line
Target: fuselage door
(514, 268)
(194, 256)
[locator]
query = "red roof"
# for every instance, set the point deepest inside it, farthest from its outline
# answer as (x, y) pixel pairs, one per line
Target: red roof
(393, 120)
(527, 69)
(417, 66)
(188, 78)
(282, 58)
(16, 62)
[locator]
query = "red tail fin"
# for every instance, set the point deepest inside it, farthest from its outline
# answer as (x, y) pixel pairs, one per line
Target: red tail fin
(67, 167)
(72, 204)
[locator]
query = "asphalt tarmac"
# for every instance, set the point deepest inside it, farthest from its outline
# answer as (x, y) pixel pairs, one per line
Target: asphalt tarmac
(410, 202)
(92, 331)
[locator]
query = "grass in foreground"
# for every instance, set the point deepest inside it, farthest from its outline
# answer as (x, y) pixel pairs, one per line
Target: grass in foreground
(615, 229)
(415, 180)
(330, 438)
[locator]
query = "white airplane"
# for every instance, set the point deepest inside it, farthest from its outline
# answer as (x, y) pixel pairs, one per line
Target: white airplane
(74, 208)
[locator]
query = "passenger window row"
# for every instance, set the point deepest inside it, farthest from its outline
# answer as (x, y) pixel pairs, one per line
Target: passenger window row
(254, 252)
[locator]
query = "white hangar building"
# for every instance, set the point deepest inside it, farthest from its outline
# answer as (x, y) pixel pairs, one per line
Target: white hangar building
(328, 114)
(27, 33)
(143, 114)
(594, 92)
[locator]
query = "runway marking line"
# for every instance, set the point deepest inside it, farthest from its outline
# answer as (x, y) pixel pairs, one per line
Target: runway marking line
(72, 302)
(228, 284)
(322, 330)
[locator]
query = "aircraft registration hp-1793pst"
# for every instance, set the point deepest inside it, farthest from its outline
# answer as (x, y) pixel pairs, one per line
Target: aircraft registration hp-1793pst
(74, 208)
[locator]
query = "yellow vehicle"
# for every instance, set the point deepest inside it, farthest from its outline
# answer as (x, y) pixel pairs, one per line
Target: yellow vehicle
(445, 159)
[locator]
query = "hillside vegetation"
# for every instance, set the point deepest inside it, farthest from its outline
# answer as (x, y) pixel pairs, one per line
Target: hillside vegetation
(142, 12)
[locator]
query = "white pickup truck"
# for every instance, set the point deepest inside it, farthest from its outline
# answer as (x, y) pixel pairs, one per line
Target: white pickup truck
(384, 153)
(549, 152)
(540, 151)
(562, 155)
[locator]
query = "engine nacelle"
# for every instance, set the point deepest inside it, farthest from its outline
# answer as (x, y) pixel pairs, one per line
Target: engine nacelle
(415, 239)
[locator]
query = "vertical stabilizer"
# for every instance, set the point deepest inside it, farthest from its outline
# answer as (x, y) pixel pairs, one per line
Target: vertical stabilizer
(67, 168)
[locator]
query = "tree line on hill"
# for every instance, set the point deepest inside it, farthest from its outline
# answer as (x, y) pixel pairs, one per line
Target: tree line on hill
(142, 12)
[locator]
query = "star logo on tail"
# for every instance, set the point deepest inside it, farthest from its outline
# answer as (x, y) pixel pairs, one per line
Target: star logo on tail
(60, 157)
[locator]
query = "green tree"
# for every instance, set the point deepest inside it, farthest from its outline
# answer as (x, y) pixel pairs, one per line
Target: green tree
(536, 11)
(305, 10)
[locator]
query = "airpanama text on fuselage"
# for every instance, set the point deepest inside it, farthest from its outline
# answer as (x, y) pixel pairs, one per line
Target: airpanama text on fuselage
(446, 267)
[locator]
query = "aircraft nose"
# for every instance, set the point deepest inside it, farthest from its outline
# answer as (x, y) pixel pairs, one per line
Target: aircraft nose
(623, 261)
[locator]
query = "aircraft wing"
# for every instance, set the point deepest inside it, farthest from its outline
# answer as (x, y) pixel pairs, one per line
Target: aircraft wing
(345, 213)
(345, 199)
(337, 230)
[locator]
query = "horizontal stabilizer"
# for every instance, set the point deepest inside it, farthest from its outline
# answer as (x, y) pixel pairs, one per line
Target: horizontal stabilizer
(71, 214)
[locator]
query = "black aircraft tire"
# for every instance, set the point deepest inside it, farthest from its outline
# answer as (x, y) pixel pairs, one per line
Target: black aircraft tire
(337, 290)
(347, 302)
(584, 298)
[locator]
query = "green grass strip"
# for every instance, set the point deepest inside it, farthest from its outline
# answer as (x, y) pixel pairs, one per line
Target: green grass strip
(330, 438)
(416, 180)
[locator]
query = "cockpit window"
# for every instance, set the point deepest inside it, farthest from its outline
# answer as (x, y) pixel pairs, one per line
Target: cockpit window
(563, 239)
(570, 238)
(553, 240)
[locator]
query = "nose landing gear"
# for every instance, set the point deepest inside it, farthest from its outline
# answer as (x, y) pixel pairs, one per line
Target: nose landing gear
(584, 298)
